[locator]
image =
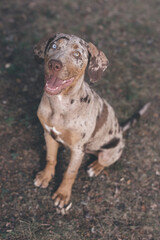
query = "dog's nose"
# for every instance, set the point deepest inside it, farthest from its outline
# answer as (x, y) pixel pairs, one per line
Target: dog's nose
(55, 65)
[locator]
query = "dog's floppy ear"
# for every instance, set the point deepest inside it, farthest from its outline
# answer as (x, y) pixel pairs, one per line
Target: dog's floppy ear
(40, 48)
(97, 63)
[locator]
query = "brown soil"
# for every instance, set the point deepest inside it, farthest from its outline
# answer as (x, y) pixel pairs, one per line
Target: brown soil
(122, 203)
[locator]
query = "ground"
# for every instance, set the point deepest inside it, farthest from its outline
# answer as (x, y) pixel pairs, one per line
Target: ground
(123, 202)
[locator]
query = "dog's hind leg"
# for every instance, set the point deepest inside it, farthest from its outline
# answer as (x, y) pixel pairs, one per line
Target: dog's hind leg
(107, 155)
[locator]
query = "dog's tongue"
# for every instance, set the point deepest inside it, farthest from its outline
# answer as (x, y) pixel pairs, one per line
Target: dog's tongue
(55, 85)
(54, 82)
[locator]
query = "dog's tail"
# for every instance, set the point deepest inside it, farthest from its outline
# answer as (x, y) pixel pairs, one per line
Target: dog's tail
(133, 120)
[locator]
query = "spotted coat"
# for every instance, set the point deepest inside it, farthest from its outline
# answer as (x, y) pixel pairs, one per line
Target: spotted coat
(72, 113)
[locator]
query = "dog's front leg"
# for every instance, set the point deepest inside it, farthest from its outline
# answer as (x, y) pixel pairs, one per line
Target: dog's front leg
(62, 195)
(43, 177)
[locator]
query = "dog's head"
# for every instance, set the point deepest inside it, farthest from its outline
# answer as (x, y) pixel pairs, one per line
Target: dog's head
(66, 58)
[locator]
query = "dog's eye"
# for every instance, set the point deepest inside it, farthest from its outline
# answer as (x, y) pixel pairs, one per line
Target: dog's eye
(54, 46)
(76, 54)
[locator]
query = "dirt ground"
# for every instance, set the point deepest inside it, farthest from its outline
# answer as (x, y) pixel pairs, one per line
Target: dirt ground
(123, 203)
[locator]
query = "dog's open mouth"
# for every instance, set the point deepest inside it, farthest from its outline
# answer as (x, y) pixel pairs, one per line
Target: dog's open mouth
(55, 85)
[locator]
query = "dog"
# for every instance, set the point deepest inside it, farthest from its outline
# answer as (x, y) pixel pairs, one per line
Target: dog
(73, 114)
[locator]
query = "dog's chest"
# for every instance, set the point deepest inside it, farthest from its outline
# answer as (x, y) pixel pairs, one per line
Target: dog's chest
(54, 125)
(59, 128)
(66, 136)
(55, 133)
(60, 119)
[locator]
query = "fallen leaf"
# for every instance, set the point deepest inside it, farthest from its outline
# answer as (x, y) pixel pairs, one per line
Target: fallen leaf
(129, 182)
(143, 208)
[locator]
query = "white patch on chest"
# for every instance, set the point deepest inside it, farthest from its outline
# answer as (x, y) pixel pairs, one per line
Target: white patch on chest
(49, 129)
(55, 130)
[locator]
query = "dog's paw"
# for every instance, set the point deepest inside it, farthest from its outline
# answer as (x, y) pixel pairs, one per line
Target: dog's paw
(61, 201)
(43, 178)
(94, 169)
(63, 211)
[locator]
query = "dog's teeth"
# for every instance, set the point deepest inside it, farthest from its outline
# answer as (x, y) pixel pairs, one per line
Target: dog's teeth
(90, 172)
